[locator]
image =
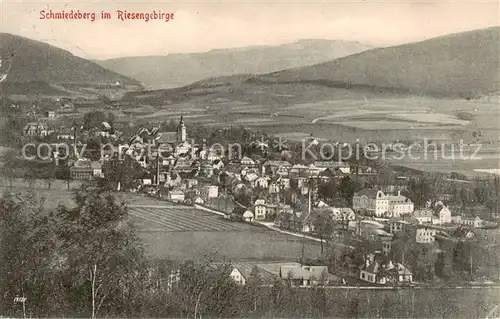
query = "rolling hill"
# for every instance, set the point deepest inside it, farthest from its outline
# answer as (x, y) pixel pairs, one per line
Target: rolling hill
(408, 91)
(177, 70)
(38, 62)
(461, 65)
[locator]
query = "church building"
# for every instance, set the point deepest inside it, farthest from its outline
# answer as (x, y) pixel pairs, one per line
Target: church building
(176, 141)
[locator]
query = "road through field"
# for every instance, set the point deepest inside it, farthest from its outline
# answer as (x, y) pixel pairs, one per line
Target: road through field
(272, 227)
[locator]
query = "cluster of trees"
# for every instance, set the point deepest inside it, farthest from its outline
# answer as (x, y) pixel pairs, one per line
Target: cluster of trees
(339, 193)
(12, 124)
(123, 173)
(94, 119)
(75, 261)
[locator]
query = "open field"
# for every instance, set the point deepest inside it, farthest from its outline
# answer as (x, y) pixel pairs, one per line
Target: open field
(252, 244)
(181, 219)
(469, 164)
(181, 232)
(463, 167)
(52, 198)
(58, 194)
(390, 125)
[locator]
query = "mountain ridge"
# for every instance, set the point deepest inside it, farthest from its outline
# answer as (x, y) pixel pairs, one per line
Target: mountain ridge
(186, 68)
(459, 63)
(36, 61)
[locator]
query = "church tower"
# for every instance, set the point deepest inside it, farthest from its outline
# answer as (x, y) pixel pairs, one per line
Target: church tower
(181, 131)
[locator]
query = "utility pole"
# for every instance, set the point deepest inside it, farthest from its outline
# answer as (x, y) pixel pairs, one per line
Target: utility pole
(470, 261)
(225, 200)
(158, 167)
(75, 152)
(303, 242)
(356, 160)
(308, 214)
(412, 302)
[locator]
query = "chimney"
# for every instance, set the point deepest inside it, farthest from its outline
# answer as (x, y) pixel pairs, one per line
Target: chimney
(263, 172)
(399, 193)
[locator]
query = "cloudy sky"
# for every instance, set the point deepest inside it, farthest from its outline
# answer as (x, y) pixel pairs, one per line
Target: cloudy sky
(204, 25)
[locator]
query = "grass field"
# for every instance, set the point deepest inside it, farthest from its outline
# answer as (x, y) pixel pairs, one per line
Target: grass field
(181, 232)
(52, 198)
(181, 219)
(466, 165)
(58, 194)
(246, 245)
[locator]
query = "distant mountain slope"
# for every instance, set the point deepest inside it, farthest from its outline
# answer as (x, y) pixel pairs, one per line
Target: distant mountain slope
(35, 61)
(461, 64)
(177, 70)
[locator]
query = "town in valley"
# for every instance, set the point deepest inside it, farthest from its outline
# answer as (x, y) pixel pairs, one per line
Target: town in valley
(279, 192)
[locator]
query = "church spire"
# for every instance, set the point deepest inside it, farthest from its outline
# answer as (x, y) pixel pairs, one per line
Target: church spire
(181, 131)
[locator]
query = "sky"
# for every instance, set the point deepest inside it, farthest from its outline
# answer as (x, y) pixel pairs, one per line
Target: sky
(205, 25)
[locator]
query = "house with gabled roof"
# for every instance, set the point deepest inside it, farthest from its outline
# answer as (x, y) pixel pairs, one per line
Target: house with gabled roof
(176, 195)
(425, 234)
(262, 182)
(464, 233)
(248, 216)
(442, 214)
(303, 275)
(247, 161)
(424, 216)
(379, 270)
(264, 210)
(277, 167)
(241, 274)
(36, 129)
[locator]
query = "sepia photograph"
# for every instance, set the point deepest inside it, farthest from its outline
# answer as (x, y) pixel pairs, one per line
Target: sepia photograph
(249, 159)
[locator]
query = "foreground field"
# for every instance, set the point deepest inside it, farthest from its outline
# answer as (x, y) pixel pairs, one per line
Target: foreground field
(180, 232)
(58, 194)
(249, 245)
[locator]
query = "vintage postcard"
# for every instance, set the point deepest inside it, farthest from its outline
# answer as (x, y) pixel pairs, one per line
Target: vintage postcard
(249, 159)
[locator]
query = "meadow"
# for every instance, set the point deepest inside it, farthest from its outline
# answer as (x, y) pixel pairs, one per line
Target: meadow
(183, 232)
(249, 245)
